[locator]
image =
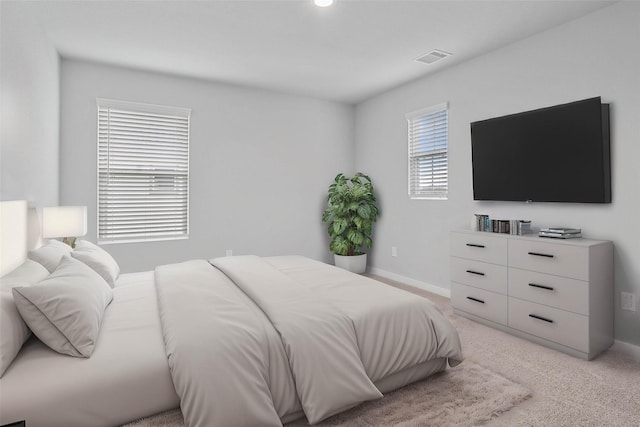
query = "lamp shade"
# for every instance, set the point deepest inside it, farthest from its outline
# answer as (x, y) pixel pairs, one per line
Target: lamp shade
(64, 221)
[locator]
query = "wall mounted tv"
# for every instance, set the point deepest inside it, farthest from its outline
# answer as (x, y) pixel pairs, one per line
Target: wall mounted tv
(554, 154)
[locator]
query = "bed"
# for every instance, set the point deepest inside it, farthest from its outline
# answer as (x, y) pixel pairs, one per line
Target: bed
(234, 341)
(126, 378)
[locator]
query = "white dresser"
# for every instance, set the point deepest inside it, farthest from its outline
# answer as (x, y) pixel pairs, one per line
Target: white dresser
(555, 292)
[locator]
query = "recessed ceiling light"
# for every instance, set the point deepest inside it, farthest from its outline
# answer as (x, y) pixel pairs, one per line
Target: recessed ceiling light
(323, 3)
(433, 56)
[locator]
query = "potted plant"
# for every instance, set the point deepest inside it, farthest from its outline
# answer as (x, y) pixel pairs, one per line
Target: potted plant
(350, 215)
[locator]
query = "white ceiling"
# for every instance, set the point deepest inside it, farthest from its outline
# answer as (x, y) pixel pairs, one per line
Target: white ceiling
(347, 52)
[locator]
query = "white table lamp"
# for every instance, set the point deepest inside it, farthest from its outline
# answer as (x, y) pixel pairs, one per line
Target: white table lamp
(66, 222)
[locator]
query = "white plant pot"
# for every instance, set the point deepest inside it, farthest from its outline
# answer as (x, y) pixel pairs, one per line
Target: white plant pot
(354, 263)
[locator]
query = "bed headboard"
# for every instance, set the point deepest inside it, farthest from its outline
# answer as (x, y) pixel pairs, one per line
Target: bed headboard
(13, 235)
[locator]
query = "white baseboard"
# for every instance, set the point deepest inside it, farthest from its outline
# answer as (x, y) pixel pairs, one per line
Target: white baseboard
(628, 349)
(412, 282)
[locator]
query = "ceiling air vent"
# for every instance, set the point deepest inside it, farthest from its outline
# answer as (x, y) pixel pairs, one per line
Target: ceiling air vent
(432, 56)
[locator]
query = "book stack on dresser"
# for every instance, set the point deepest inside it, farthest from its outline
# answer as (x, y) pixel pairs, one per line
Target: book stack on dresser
(560, 233)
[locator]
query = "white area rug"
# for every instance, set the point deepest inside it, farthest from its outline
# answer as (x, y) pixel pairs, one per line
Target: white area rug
(466, 395)
(566, 391)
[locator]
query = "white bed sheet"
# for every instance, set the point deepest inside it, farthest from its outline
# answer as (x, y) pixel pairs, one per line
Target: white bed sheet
(126, 378)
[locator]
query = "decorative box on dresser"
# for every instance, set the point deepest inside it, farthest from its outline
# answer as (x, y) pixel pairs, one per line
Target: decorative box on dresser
(555, 292)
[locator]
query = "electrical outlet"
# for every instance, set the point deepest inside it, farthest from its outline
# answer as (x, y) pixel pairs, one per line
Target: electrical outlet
(627, 301)
(229, 252)
(394, 251)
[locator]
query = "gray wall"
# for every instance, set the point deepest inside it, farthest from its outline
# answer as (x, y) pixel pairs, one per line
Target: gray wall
(260, 162)
(29, 109)
(291, 147)
(596, 55)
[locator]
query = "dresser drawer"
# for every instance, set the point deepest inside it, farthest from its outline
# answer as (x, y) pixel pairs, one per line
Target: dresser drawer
(485, 304)
(490, 277)
(552, 258)
(559, 326)
(555, 291)
(479, 246)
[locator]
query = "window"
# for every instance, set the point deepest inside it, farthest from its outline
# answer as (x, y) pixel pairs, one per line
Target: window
(428, 153)
(143, 172)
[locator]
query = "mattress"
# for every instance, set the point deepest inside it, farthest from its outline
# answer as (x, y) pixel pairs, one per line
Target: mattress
(125, 379)
(128, 375)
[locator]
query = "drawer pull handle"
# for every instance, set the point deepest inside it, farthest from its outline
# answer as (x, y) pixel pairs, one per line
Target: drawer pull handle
(476, 300)
(475, 245)
(540, 254)
(534, 285)
(475, 272)
(541, 318)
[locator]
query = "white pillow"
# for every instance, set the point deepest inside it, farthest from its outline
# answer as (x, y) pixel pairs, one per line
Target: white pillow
(13, 331)
(65, 310)
(28, 273)
(98, 259)
(50, 254)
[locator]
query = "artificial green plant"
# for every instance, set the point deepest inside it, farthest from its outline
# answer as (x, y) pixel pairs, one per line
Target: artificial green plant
(350, 214)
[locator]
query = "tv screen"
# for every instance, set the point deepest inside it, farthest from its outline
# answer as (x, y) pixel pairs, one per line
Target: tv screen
(554, 154)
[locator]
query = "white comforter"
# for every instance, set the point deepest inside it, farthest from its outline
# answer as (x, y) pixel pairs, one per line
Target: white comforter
(254, 340)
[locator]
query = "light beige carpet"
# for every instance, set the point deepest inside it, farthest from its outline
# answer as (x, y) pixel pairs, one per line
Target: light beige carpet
(466, 395)
(566, 391)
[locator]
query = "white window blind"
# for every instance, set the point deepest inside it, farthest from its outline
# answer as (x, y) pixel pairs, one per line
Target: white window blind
(143, 172)
(428, 153)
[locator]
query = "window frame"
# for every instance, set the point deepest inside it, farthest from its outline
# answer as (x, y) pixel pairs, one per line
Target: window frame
(421, 114)
(146, 109)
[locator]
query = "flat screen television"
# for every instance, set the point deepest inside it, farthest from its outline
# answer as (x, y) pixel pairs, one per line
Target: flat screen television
(553, 154)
